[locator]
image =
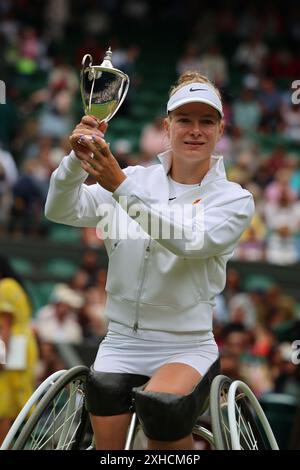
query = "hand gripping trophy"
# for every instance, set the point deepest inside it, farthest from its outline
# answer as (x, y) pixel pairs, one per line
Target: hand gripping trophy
(103, 88)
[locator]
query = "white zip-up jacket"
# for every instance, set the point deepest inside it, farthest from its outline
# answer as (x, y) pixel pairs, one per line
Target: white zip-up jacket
(165, 283)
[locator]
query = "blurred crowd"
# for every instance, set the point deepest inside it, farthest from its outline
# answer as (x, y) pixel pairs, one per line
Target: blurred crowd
(255, 323)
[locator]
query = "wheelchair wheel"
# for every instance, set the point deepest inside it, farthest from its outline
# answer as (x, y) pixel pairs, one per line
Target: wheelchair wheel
(28, 408)
(249, 427)
(60, 420)
(219, 412)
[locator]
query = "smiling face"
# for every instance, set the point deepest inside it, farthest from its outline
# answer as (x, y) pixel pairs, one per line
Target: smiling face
(193, 130)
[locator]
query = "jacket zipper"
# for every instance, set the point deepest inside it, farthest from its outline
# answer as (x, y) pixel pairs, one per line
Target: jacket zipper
(146, 257)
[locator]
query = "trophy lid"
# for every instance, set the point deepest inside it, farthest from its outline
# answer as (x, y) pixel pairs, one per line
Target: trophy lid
(107, 59)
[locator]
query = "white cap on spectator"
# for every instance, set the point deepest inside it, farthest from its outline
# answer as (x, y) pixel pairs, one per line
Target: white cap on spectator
(195, 93)
(63, 293)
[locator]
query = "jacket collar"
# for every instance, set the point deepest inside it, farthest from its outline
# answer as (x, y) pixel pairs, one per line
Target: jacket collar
(216, 171)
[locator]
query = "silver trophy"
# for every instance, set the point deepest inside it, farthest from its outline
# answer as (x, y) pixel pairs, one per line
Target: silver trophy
(103, 88)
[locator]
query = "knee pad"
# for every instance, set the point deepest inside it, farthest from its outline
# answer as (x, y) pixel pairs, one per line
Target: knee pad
(170, 417)
(165, 416)
(109, 393)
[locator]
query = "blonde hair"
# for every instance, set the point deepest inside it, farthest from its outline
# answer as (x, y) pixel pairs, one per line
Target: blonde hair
(192, 77)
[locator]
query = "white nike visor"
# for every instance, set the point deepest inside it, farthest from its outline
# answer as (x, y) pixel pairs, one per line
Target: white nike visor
(195, 93)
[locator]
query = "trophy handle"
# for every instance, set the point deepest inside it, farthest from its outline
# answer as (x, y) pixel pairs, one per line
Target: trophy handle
(84, 59)
(88, 66)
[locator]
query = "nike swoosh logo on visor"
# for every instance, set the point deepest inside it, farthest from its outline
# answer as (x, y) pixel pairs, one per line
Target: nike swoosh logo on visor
(171, 198)
(198, 89)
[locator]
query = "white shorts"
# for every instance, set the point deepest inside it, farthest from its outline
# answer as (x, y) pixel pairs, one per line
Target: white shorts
(143, 352)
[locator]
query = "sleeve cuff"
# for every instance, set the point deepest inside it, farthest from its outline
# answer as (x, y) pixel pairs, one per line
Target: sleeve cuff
(73, 164)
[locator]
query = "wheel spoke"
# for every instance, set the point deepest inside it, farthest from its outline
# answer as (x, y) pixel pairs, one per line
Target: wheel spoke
(55, 416)
(58, 429)
(245, 427)
(49, 416)
(223, 412)
(255, 441)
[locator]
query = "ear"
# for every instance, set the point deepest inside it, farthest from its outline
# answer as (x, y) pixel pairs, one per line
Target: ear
(167, 126)
(221, 129)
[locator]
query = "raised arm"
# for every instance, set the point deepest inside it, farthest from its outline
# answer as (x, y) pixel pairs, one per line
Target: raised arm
(69, 200)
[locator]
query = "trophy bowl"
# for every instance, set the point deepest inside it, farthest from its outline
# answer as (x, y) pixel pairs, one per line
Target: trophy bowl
(103, 87)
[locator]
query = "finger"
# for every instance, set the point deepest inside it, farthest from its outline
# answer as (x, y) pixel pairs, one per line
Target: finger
(94, 122)
(101, 145)
(102, 125)
(83, 156)
(84, 129)
(79, 141)
(89, 169)
(90, 160)
(97, 151)
(96, 154)
(94, 163)
(89, 120)
(79, 147)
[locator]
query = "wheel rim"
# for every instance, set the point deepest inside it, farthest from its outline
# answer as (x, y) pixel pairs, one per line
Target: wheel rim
(58, 425)
(218, 411)
(249, 427)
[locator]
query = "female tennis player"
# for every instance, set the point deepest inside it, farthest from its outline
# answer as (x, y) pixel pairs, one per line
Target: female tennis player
(169, 230)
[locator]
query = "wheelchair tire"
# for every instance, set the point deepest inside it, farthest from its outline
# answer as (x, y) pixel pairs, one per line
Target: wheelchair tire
(27, 439)
(219, 412)
(249, 427)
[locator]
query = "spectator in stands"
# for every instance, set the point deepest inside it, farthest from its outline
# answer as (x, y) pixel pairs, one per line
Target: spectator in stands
(153, 140)
(95, 20)
(91, 316)
(280, 185)
(242, 172)
(58, 321)
(190, 60)
(90, 265)
(236, 339)
(282, 64)
(17, 374)
(250, 55)
(123, 152)
(247, 111)
(57, 14)
(230, 364)
(49, 361)
(291, 122)
(283, 221)
(80, 281)
(90, 45)
(8, 177)
(238, 342)
(286, 374)
(251, 246)
(62, 77)
(28, 198)
(214, 65)
(293, 164)
(270, 100)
